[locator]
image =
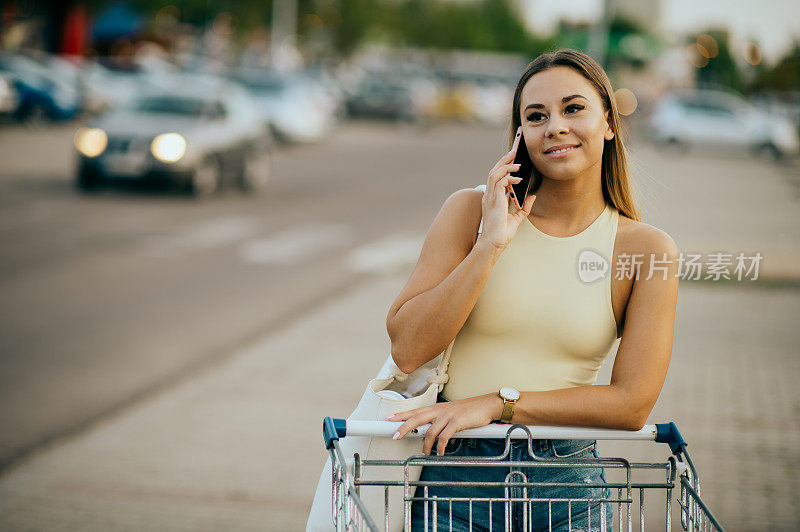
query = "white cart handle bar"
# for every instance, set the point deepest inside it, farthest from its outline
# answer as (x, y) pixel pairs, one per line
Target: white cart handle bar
(333, 429)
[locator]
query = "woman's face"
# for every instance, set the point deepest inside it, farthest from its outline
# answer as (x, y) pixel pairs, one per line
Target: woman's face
(549, 121)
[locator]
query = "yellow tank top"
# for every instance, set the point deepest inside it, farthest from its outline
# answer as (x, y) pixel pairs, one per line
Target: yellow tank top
(544, 319)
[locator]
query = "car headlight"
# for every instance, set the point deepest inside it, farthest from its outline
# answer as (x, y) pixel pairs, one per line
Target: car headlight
(90, 141)
(168, 147)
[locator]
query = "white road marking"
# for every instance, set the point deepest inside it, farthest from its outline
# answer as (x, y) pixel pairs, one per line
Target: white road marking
(392, 254)
(207, 234)
(297, 243)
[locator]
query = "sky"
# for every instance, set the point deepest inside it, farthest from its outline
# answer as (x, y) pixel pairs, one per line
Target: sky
(771, 23)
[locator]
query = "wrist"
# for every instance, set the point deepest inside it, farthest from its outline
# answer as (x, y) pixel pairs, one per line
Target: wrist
(497, 405)
(487, 249)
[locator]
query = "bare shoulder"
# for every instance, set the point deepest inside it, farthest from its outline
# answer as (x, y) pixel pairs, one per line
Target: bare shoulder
(466, 197)
(458, 220)
(472, 200)
(643, 238)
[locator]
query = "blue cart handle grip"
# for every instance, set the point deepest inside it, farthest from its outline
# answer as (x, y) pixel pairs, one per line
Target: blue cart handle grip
(669, 433)
(333, 429)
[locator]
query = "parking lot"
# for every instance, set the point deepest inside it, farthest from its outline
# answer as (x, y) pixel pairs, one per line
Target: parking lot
(127, 310)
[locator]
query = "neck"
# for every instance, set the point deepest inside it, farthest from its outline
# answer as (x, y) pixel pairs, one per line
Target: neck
(568, 206)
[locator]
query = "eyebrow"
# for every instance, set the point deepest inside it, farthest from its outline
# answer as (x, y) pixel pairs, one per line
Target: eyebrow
(565, 99)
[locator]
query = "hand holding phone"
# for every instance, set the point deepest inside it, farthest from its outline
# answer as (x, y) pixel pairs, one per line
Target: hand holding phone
(500, 225)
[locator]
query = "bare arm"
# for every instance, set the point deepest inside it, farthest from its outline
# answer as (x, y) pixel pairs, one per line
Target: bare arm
(445, 284)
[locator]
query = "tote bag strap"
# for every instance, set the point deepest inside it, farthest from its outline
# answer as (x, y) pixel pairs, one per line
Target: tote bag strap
(439, 374)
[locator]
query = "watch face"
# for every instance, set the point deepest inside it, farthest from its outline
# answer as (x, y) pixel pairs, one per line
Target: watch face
(511, 394)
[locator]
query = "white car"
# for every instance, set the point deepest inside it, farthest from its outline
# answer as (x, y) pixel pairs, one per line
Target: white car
(717, 119)
(295, 106)
(100, 87)
(200, 134)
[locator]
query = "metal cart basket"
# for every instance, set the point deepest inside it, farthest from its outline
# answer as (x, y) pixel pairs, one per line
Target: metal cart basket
(625, 494)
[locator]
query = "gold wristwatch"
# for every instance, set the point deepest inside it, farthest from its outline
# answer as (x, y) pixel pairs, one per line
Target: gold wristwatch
(510, 396)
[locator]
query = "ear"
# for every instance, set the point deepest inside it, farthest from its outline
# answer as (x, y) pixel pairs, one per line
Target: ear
(609, 134)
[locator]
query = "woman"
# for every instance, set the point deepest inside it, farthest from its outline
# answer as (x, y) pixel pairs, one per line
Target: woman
(520, 313)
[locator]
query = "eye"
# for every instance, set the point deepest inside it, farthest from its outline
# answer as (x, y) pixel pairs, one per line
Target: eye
(533, 116)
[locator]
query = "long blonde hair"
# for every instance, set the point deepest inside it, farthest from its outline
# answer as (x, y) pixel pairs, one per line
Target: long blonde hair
(615, 176)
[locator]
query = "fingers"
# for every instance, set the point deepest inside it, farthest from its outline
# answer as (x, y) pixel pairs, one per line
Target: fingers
(435, 428)
(402, 416)
(413, 422)
(525, 211)
(440, 432)
(503, 186)
(444, 438)
(529, 204)
(502, 171)
(501, 178)
(508, 189)
(505, 159)
(509, 180)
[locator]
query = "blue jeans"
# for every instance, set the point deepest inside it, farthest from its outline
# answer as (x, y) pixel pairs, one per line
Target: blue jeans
(541, 515)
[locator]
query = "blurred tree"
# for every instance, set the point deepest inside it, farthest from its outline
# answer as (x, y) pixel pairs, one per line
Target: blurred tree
(357, 16)
(571, 34)
(784, 76)
(721, 69)
(630, 44)
(249, 14)
(491, 25)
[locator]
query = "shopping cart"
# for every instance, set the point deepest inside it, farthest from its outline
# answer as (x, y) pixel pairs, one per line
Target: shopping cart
(627, 495)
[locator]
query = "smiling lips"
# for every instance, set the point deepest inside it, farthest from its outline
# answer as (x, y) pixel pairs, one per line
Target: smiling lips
(560, 147)
(560, 151)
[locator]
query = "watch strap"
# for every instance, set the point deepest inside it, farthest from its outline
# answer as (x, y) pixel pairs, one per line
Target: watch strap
(508, 411)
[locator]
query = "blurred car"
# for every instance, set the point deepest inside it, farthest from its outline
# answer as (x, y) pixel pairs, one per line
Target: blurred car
(379, 96)
(325, 77)
(201, 135)
(718, 119)
(293, 105)
(9, 95)
(100, 87)
(43, 94)
(425, 91)
(493, 97)
(327, 89)
(782, 103)
(455, 99)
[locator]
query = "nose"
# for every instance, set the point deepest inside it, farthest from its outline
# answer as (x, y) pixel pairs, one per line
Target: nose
(556, 125)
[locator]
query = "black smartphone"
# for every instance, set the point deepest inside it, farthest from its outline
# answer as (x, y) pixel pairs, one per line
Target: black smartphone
(531, 179)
